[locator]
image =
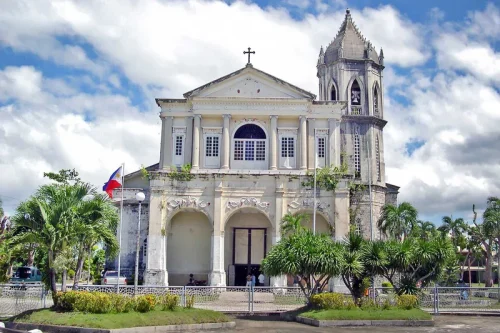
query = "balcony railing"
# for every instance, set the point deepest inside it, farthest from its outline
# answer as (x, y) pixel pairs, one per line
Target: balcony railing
(356, 110)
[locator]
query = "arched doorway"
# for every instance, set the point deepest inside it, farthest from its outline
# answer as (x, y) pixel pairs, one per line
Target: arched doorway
(188, 247)
(247, 241)
(322, 225)
(249, 148)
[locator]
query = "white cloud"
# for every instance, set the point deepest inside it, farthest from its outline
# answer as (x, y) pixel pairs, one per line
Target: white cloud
(169, 47)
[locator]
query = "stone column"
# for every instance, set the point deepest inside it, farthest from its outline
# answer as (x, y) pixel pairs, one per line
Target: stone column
(278, 281)
(196, 142)
(166, 143)
(303, 143)
(188, 152)
(162, 142)
(311, 143)
(156, 268)
(274, 141)
(341, 228)
(218, 274)
(226, 153)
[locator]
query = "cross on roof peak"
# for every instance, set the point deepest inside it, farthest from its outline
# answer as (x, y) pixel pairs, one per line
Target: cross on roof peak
(249, 52)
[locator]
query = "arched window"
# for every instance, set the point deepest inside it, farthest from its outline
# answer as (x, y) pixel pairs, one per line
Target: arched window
(377, 158)
(249, 145)
(355, 93)
(333, 94)
(357, 156)
(375, 102)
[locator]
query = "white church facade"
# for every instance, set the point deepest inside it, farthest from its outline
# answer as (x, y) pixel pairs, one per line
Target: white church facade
(251, 139)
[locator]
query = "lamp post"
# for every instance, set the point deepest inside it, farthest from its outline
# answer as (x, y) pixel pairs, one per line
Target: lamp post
(140, 198)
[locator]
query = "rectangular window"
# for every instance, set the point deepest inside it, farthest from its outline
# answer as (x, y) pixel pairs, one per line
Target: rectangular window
(321, 147)
(178, 145)
(212, 146)
(260, 154)
(249, 150)
(238, 150)
(287, 147)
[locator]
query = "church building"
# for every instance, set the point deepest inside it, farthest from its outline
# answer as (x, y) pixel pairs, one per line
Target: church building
(251, 140)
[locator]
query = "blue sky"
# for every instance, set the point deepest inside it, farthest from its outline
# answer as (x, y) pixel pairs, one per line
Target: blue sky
(78, 82)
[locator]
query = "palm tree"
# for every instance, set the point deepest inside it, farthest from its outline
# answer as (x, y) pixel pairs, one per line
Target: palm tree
(398, 221)
(425, 229)
(96, 222)
(46, 220)
(293, 222)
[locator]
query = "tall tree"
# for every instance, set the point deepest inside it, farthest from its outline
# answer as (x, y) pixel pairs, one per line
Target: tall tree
(46, 219)
(398, 221)
(491, 217)
(95, 223)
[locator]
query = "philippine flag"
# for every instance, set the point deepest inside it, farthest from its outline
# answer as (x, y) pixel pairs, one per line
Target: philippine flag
(115, 181)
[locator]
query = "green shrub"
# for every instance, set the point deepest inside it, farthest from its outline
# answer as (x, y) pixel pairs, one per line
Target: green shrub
(64, 301)
(386, 305)
(102, 303)
(145, 303)
(349, 303)
(169, 302)
(121, 303)
(190, 301)
(71, 273)
(328, 301)
(367, 303)
(386, 284)
(407, 302)
(84, 302)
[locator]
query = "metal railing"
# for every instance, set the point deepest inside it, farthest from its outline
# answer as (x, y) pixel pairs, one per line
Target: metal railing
(15, 299)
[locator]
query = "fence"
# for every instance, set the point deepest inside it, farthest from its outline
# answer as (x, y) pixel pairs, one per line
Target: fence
(15, 299)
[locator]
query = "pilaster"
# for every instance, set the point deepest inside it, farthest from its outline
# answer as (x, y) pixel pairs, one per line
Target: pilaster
(274, 141)
(167, 142)
(217, 275)
(311, 143)
(303, 142)
(188, 153)
(278, 281)
(196, 142)
(225, 142)
(156, 268)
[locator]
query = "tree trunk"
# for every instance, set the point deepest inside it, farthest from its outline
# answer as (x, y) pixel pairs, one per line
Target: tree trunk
(64, 277)
(488, 274)
(78, 272)
(52, 273)
(31, 254)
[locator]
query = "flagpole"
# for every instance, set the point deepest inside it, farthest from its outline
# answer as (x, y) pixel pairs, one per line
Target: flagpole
(120, 231)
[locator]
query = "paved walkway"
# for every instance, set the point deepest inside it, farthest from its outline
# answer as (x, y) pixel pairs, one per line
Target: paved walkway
(444, 324)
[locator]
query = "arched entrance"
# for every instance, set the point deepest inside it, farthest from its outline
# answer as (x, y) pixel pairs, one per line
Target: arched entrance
(247, 241)
(322, 225)
(188, 247)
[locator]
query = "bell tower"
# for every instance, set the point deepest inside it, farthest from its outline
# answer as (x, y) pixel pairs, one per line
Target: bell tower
(349, 71)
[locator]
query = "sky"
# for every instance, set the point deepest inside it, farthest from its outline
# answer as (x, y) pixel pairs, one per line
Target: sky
(78, 81)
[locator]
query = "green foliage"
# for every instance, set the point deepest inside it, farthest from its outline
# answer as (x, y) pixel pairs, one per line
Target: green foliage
(314, 258)
(398, 221)
(327, 177)
(145, 173)
(64, 176)
(293, 222)
(407, 302)
(190, 302)
(368, 303)
(329, 301)
(121, 303)
(184, 174)
(386, 284)
(145, 303)
(169, 302)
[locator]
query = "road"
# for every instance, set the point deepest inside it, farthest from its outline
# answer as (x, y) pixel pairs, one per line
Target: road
(444, 324)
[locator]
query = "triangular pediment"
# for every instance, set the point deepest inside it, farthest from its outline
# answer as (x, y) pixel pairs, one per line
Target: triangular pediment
(250, 83)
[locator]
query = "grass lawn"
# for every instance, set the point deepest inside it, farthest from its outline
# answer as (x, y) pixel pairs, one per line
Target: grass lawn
(122, 320)
(376, 314)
